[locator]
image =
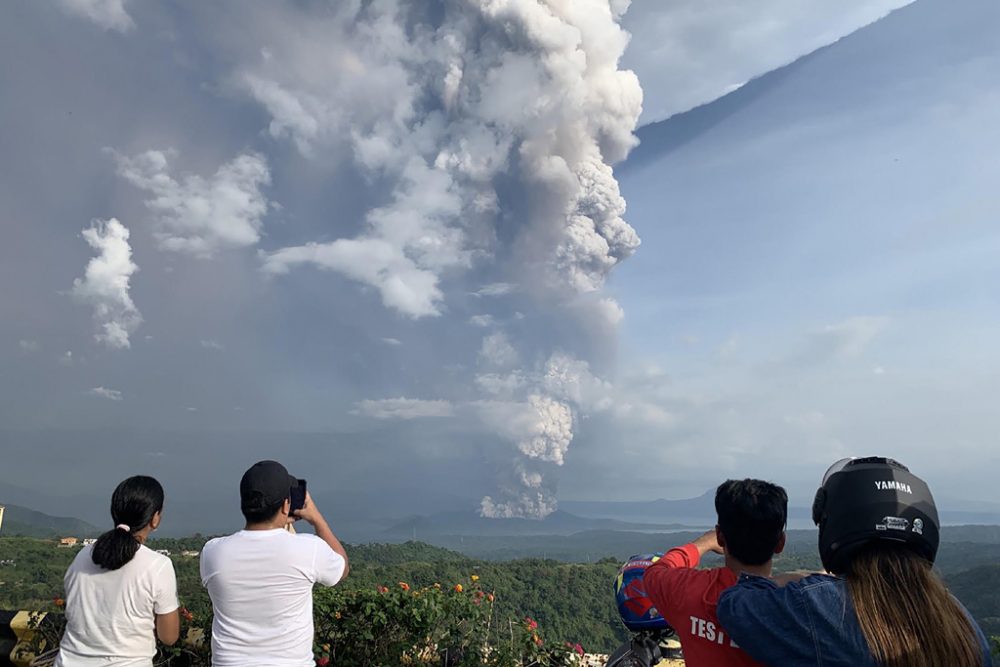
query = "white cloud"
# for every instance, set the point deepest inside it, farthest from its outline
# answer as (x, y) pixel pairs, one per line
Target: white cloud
(28, 345)
(110, 394)
(109, 14)
(403, 285)
(105, 284)
(484, 320)
(689, 52)
(497, 352)
(403, 408)
(495, 289)
(395, 342)
(200, 216)
(212, 345)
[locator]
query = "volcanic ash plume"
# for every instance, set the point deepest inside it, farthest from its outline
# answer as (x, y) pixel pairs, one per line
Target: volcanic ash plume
(489, 128)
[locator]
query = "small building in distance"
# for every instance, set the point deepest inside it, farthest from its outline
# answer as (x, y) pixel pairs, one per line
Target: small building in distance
(190, 553)
(165, 552)
(88, 541)
(69, 542)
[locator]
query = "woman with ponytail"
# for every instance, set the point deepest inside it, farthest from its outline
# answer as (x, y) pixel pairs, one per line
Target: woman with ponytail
(118, 591)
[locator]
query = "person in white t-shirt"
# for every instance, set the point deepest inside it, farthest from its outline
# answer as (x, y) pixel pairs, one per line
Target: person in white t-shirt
(118, 591)
(261, 578)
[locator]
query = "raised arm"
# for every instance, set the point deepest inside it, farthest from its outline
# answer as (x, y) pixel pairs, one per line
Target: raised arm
(312, 515)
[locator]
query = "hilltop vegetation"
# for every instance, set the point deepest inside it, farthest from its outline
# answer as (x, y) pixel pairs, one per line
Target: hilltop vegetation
(24, 522)
(572, 602)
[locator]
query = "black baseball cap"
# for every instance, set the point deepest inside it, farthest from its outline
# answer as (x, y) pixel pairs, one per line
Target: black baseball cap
(265, 484)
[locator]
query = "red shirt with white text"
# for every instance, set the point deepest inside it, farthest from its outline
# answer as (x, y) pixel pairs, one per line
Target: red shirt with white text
(686, 598)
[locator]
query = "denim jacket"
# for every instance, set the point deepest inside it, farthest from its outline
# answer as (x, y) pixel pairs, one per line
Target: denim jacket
(806, 623)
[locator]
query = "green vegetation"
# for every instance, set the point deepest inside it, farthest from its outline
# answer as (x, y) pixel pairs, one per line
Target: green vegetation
(572, 602)
(24, 522)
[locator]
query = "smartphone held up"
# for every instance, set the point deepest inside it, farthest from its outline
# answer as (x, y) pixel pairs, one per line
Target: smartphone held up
(298, 497)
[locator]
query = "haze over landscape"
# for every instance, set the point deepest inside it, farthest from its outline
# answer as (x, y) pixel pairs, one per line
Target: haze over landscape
(399, 261)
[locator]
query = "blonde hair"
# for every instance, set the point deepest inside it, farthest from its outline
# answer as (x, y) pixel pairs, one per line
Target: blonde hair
(907, 615)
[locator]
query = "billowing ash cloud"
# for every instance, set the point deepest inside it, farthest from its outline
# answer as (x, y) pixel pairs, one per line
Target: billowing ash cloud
(201, 216)
(487, 130)
(105, 283)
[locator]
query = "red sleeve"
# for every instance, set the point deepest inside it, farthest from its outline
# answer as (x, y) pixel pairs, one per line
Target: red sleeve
(665, 579)
(685, 556)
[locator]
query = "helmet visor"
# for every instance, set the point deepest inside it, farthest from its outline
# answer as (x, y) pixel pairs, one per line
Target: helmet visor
(835, 468)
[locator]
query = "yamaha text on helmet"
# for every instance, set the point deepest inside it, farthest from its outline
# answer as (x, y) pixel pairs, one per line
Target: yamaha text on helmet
(873, 499)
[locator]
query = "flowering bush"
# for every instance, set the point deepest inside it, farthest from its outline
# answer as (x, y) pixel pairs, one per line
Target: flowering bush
(454, 626)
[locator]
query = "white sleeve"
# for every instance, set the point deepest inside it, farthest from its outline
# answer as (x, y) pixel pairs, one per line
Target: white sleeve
(203, 559)
(328, 565)
(165, 590)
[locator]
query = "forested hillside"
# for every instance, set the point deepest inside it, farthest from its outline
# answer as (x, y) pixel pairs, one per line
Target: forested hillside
(573, 602)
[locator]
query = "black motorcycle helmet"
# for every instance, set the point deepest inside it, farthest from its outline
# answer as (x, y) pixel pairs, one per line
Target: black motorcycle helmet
(873, 499)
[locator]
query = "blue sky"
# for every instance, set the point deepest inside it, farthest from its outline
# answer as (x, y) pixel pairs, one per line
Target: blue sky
(397, 255)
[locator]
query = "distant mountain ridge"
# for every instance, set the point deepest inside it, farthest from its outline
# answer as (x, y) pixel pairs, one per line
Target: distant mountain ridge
(702, 508)
(30, 523)
(559, 522)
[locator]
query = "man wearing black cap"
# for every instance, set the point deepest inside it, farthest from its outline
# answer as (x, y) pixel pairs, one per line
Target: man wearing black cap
(261, 578)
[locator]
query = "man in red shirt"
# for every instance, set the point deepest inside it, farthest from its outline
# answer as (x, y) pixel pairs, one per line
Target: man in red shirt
(751, 530)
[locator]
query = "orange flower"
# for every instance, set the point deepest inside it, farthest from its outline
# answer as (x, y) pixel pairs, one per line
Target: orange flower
(537, 640)
(405, 586)
(186, 615)
(475, 578)
(59, 602)
(337, 616)
(490, 597)
(458, 588)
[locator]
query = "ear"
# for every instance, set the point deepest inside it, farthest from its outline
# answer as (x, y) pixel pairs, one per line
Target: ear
(154, 523)
(781, 544)
(719, 537)
(286, 507)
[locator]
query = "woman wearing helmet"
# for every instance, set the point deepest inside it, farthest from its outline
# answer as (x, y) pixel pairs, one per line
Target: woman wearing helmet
(883, 605)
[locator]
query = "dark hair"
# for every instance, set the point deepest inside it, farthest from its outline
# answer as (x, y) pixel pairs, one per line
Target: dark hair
(261, 514)
(133, 503)
(752, 517)
(906, 614)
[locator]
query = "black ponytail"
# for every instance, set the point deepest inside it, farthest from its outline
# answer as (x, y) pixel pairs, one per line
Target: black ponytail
(133, 505)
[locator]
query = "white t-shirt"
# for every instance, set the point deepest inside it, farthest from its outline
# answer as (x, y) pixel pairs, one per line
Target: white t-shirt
(260, 582)
(111, 614)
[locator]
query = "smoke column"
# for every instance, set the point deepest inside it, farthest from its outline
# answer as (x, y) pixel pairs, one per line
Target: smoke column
(492, 125)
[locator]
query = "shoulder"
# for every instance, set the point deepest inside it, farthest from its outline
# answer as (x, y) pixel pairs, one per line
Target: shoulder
(83, 560)
(309, 543)
(819, 584)
(218, 543)
(152, 559)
